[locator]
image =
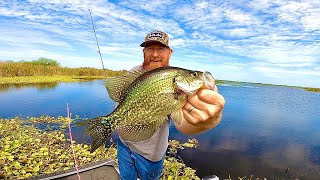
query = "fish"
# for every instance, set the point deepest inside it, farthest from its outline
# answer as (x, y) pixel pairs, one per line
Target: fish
(145, 99)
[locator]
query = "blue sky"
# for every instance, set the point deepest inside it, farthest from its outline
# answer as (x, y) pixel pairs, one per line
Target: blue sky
(267, 41)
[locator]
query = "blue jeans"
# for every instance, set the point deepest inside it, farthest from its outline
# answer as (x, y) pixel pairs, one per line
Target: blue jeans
(132, 165)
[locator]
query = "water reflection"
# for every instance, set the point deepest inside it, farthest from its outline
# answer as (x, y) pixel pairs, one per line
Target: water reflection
(230, 157)
(86, 99)
(40, 86)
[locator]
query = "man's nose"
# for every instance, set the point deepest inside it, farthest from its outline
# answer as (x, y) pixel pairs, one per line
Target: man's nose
(155, 53)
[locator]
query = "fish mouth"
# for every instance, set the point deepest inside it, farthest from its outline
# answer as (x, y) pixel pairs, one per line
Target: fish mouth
(208, 79)
(187, 89)
(189, 93)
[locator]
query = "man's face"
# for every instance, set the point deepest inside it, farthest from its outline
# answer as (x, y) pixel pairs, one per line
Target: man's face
(156, 55)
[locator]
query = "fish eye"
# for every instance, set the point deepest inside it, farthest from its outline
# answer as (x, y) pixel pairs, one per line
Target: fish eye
(194, 73)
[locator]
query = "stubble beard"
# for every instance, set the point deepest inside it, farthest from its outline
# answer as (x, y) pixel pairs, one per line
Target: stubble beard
(152, 65)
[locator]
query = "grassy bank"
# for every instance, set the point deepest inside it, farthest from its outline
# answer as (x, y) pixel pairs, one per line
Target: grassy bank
(39, 68)
(238, 83)
(46, 70)
(26, 150)
(45, 79)
(311, 89)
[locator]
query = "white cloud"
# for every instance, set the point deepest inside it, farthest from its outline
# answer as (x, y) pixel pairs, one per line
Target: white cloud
(201, 16)
(235, 40)
(158, 8)
(27, 35)
(278, 72)
(179, 42)
(240, 18)
(239, 32)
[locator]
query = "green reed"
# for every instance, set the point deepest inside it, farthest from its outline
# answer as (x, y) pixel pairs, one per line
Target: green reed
(15, 69)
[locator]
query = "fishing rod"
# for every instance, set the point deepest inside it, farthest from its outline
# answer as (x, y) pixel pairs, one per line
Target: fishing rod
(68, 111)
(95, 34)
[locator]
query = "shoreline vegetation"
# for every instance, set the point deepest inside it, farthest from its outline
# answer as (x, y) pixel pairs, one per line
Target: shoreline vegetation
(45, 79)
(239, 83)
(44, 70)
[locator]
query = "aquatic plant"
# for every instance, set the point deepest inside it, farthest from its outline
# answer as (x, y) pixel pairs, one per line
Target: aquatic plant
(26, 150)
(174, 167)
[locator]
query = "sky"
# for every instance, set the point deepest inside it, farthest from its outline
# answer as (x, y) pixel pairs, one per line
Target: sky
(264, 41)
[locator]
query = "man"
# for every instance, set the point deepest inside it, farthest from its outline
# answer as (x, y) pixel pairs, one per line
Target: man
(201, 112)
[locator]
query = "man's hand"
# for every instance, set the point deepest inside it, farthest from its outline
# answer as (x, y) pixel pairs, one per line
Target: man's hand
(206, 114)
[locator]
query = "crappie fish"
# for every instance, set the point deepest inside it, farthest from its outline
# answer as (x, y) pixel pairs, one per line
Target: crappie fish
(145, 100)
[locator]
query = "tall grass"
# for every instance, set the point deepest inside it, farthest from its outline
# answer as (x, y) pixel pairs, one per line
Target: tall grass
(312, 89)
(13, 69)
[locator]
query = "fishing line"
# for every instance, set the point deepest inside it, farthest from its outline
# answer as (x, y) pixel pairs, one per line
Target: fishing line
(95, 34)
(71, 143)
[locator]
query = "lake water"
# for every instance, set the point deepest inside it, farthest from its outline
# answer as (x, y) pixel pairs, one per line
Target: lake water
(266, 131)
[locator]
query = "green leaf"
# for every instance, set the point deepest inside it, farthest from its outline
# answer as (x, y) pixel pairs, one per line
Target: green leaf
(36, 168)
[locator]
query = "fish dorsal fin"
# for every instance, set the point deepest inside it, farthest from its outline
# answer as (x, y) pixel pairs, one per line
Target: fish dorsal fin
(116, 86)
(140, 131)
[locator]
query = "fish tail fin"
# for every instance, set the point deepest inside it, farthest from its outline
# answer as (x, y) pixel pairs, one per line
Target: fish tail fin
(99, 128)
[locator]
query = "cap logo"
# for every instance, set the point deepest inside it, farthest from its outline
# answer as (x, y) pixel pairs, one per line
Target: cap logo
(156, 35)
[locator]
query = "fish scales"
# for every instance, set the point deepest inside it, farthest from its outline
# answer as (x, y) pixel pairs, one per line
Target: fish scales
(152, 95)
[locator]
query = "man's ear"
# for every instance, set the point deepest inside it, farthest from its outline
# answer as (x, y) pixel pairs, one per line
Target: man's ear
(171, 51)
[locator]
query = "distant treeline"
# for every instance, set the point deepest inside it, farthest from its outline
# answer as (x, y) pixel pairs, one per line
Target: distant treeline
(48, 67)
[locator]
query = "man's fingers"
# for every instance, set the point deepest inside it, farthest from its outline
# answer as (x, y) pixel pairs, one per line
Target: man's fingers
(208, 96)
(194, 115)
(216, 89)
(196, 102)
(203, 106)
(207, 100)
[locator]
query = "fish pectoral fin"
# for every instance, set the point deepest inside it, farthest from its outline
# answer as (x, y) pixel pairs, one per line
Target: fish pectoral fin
(177, 116)
(140, 131)
(116, 86)
(136, 132)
